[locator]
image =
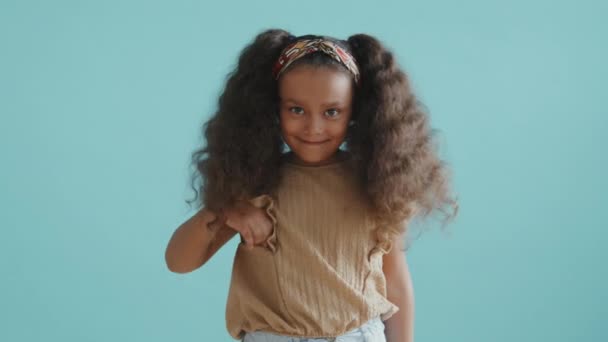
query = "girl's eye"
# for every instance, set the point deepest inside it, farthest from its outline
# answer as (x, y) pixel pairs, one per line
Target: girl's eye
(332, 112)
(297, 110)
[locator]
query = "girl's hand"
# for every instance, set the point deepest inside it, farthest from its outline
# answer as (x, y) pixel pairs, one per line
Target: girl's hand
(251, 222)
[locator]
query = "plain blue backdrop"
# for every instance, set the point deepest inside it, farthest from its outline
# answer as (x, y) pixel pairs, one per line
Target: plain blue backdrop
(102, 103)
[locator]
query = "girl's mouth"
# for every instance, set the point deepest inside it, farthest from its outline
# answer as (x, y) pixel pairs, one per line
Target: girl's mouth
(314, 142)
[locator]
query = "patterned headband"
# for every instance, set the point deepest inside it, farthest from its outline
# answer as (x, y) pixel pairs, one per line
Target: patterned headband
(303, 47)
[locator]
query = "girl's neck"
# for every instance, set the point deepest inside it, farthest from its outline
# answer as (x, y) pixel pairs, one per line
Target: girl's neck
(337, 158)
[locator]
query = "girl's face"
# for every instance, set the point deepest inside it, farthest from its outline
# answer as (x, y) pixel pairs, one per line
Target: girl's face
(315, 109)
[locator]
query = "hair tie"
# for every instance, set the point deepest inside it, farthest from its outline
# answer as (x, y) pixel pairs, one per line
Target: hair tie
(303, 47)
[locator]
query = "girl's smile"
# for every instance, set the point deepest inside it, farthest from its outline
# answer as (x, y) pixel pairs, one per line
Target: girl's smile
(315, 142)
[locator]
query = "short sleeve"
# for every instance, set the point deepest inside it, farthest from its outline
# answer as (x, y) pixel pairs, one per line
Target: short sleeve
(267, 203)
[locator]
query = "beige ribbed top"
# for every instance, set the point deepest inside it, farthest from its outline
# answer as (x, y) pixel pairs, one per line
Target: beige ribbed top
(320, 272)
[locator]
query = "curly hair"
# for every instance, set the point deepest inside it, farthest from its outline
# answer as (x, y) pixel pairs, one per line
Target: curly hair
(390, 139)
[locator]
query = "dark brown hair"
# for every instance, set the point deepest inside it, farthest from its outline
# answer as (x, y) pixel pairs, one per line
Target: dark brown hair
(390, 140)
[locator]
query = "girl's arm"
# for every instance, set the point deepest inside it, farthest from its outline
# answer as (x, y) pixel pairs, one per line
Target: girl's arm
(400, 291)
(193, 243)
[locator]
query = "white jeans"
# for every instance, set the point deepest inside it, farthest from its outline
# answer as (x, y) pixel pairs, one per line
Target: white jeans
(371, 331)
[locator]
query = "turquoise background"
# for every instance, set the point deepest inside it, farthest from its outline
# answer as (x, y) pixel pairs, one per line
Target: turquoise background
(102, 103)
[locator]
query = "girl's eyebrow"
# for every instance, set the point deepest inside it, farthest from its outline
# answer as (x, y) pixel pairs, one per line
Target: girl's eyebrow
(333, 103)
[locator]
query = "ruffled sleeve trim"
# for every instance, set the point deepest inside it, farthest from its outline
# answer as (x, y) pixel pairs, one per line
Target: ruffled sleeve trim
(384, 244)
(267, 203)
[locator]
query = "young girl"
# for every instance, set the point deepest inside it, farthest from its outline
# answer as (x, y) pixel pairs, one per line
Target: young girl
(319, 155)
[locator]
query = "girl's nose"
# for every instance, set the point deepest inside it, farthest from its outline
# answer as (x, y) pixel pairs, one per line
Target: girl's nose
(314, 124)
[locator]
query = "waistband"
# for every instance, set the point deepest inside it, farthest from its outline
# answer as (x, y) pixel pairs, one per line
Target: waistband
(370, 331)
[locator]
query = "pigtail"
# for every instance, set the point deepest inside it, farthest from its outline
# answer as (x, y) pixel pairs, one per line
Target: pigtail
(243, 140)
(393, 142)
